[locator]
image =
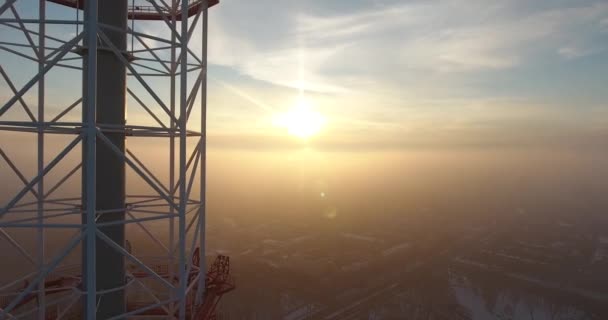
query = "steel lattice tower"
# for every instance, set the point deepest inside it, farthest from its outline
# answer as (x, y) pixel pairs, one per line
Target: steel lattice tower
(117, 64)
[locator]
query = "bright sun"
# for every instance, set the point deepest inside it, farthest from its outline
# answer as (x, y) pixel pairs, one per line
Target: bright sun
(301, 120)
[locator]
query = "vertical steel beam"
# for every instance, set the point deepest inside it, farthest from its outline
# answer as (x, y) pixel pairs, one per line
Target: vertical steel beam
(183, 97)
(173, 71)
(110, 169)
(203, 170)
(89, 98)
(40, 191)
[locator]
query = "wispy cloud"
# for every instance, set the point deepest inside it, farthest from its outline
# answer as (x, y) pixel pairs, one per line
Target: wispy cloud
(573, 52)
(436, 36)
(437, 69)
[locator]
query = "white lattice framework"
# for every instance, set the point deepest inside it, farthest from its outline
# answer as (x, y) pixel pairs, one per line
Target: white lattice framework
(168, 49)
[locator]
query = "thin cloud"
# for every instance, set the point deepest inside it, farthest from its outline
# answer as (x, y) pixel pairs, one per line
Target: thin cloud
(438, 36)
(256, 102)
(573, 52)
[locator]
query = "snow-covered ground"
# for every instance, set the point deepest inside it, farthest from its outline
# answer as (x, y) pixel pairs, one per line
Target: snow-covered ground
(396, 249)
(508, 305)
(358, 237)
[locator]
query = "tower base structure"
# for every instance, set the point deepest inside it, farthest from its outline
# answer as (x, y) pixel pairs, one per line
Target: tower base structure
(78, 198)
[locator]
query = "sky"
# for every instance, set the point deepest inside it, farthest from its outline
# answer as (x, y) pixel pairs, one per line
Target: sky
(393, 74)
(397, 74)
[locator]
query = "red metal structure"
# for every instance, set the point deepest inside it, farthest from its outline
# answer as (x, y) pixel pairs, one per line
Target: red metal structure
(218, 282)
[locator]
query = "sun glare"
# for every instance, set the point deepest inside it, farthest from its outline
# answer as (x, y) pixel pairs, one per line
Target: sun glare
(301, 120)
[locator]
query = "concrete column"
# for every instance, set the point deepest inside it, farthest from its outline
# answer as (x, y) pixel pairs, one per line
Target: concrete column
(111, 185)
(110, 169)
